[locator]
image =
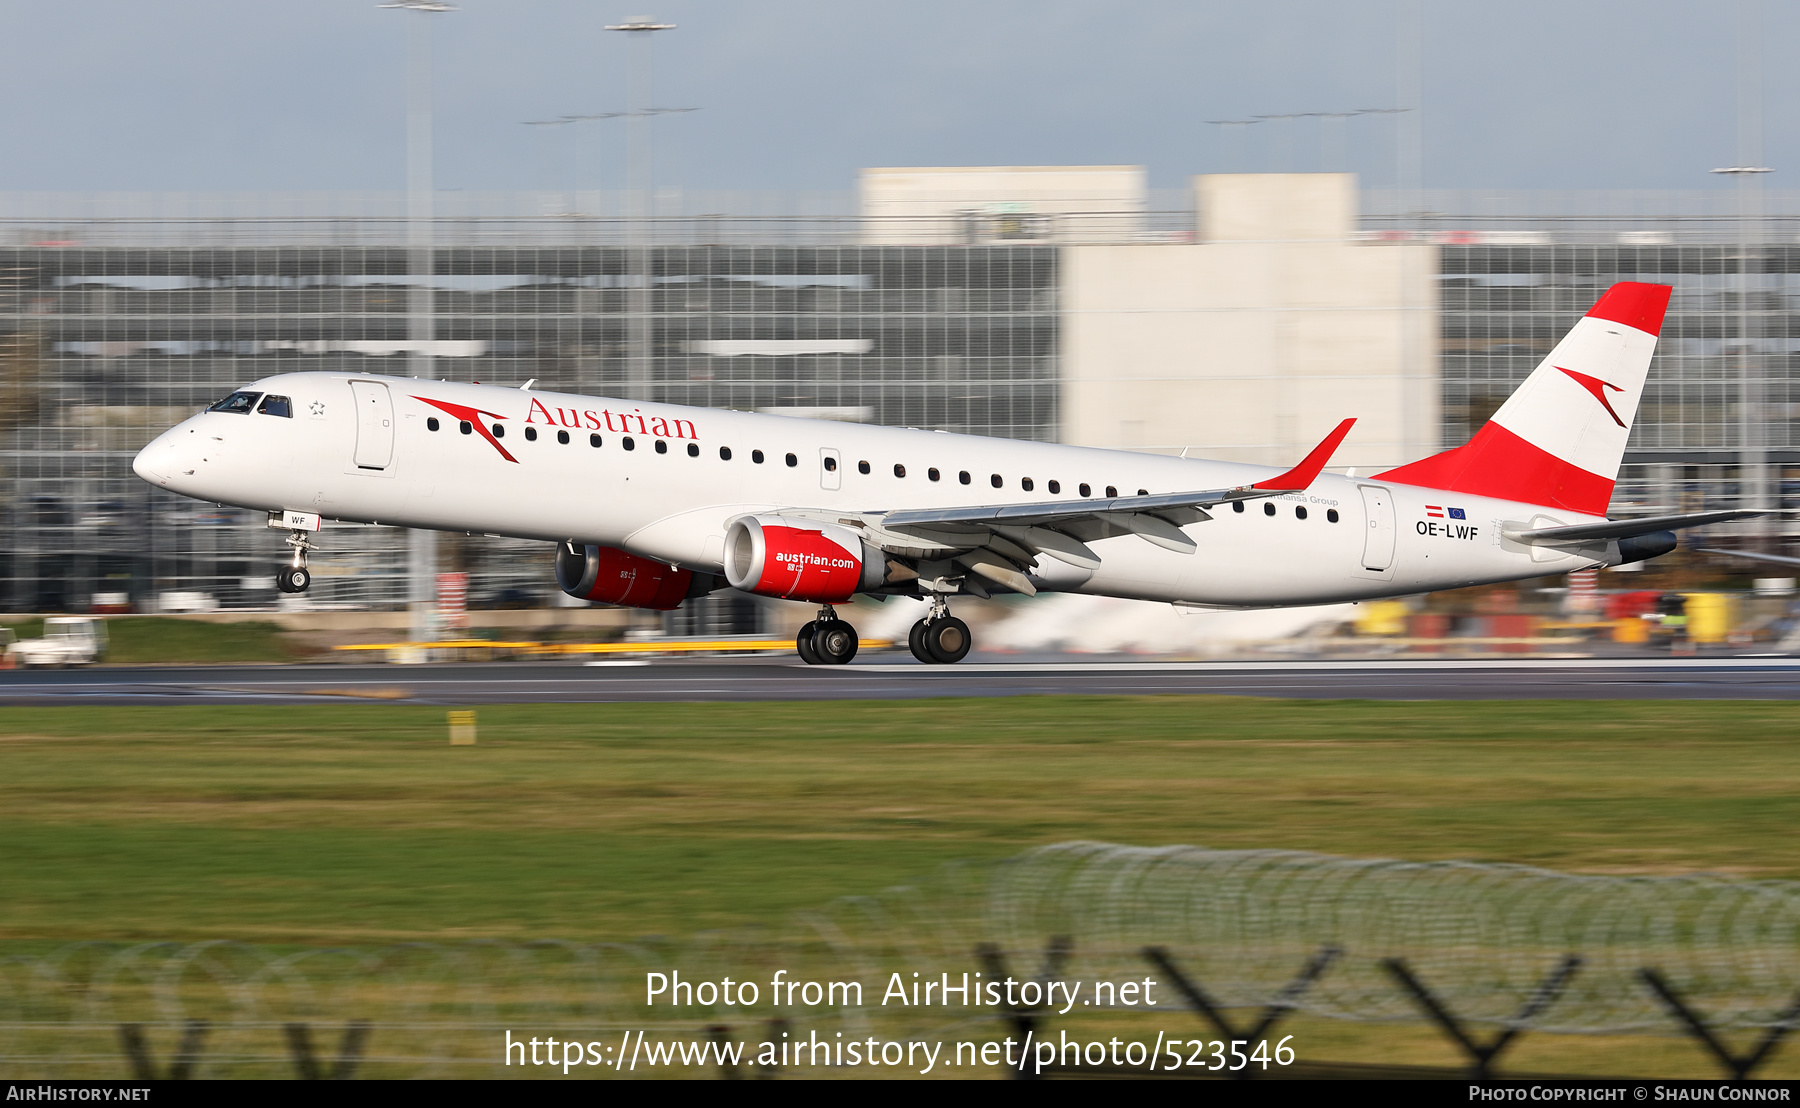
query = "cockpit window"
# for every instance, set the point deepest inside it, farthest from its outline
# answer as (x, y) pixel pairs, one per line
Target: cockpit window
(243, 403)
(276, 405)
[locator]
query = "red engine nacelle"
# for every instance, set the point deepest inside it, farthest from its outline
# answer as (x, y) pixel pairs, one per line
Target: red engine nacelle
(825, 563)
(614, 576)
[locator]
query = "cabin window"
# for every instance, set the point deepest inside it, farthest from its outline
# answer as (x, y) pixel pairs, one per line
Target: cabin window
(1299, 511)
(499, 431)
(899, 470)
(963, 476)
(756, 456)
(1268, 507)
(1331, 515)
(1143, 492)
(466, 427)
(1055, 486)
(276, 406)
(531, 434)
(239, 403)
(594, 441)
(1085, 489)
(662, 447)
(862, 467)
(693, 450)
(562, 437)
(1237, 506)
(724, 453)
(1110, 491)
(932, 474)
(1025, 483)
(996, 481)
(830, 464)
(431, 424)
(792, 461)
(628, 443)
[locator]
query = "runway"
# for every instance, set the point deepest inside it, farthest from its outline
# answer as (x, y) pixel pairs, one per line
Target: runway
(890, 677)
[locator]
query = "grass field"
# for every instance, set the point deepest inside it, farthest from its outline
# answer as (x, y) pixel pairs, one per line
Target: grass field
(359, 823)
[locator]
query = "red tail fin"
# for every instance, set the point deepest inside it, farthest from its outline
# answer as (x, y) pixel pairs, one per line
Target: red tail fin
(1559, 438)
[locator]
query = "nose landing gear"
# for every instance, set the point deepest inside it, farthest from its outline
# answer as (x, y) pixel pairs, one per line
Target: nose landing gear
(826, 641)
(940, 638)
(295, 577)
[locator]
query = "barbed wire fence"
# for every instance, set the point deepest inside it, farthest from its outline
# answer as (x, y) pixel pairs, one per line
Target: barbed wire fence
(1467, 945)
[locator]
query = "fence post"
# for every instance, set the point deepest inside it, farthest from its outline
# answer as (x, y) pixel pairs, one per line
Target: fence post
(1483, 1056)
(187, 1052)
(1025, 1019)
(1740, 1067)
(1283, 1003)
(778, 1026)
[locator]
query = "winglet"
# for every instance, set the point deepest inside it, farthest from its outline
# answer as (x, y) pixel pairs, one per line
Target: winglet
(1303, 475)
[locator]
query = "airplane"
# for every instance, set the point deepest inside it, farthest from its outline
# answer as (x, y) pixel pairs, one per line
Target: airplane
(652, 504)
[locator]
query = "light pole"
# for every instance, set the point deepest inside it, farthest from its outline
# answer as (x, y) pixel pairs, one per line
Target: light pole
(1753, 466)
(421, 590)
(1753, 463)
(641, 179)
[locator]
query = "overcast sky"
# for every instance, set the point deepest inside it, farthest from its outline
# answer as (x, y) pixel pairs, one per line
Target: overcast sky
(799, 94)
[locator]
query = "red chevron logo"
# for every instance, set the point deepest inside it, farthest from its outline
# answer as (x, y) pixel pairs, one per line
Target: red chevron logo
(1596, 386)
(472, 415)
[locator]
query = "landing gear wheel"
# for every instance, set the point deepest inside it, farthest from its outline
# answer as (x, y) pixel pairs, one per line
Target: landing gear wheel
(293, 579)
(834, 641)
(915, 642)
(947, 640)
(803, 642)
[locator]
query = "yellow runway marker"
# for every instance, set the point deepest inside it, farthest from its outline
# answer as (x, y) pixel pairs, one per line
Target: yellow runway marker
(462, 728)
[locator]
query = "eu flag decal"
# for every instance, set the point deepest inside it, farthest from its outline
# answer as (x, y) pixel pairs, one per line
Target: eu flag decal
(1457, 513)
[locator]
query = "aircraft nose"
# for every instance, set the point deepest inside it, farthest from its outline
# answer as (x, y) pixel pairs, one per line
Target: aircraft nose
(156, 462)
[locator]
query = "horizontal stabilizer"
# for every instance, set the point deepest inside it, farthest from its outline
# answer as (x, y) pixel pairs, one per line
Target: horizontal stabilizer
(1620, 528)
(1780, 559)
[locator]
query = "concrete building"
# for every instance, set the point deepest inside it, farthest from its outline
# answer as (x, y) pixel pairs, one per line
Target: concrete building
(1254, 341)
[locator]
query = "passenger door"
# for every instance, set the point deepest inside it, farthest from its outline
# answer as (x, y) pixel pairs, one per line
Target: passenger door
(1378, 536)
(374, 424)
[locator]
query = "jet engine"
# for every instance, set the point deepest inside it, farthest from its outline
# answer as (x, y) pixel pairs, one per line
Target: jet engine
(824, 563)
(614, 576)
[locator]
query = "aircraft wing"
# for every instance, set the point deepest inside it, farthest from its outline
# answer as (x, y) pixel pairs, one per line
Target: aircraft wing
(1621, 528)
(999, 541)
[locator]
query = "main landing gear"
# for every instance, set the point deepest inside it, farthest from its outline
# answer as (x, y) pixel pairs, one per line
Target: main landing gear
(826, 641)
(940, 638)
(295, 577)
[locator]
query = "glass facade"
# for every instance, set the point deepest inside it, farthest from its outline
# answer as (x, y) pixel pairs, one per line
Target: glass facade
(102, 348)
(1724, 368)
(120, 316)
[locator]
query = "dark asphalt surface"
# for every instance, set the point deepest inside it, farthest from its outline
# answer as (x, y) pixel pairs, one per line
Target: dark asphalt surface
(891, 677)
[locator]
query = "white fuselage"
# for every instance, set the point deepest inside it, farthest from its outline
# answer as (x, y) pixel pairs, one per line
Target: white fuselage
(335, 457)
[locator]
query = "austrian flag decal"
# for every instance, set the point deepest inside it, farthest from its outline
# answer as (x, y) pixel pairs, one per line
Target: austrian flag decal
(1435, 511)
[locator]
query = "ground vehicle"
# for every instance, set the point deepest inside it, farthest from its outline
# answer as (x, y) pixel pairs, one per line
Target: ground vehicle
(67, 641)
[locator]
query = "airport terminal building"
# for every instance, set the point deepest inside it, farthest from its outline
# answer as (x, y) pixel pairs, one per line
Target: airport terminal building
(1239, 319)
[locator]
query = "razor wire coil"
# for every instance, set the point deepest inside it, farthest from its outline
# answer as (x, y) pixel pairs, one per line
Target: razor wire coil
(1483, 936)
